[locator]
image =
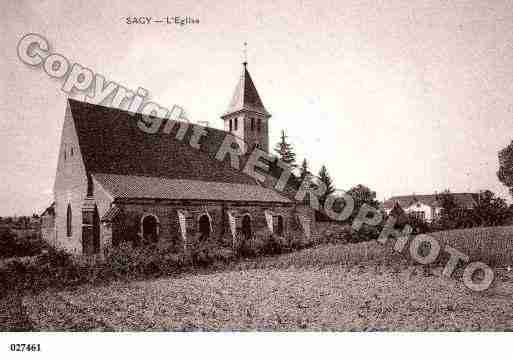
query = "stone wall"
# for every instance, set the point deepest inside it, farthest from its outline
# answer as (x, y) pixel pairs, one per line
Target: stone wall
(171, 215)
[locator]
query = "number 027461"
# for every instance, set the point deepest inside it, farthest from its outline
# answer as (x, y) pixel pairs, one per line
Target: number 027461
(25, 347)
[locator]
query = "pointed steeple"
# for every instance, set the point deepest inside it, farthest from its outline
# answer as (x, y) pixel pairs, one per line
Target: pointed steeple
(246, 116)
(245, 97)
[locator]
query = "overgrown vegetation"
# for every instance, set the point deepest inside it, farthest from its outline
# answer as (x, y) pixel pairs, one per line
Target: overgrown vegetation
(12, 245)
(58, 269)
(334, 244)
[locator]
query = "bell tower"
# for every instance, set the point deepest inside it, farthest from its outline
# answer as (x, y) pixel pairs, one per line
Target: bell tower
(246, 116)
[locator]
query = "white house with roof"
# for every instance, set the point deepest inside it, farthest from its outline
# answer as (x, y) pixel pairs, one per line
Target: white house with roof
(428, 206)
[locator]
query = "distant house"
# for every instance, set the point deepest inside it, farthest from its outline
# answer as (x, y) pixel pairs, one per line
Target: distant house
(428, 206)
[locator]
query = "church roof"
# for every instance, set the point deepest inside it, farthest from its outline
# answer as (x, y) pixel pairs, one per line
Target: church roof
(130, 162)
(111, 142)
(123, 187)
(245, 97)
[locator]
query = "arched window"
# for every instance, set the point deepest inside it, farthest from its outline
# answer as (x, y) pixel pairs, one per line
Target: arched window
(252, 123)
(68, 221)
(150, 228)
(231, 128)
(279, 226)
(246, 226)
(259, 124)
(204, 226)
(235, 124)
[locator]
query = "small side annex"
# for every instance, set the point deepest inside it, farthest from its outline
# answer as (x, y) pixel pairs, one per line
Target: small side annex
(186, 212)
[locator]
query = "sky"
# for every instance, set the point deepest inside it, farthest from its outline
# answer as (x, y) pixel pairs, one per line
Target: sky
(402, 96)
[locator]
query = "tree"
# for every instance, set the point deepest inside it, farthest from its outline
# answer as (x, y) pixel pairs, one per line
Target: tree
(303, 170)
(361, 195)
(324, 177)
(401, 218)
(505, 172)
(450, 213)
(417, 224)
(285, 151)
(453, 215)
(447, 203)
(490, 210)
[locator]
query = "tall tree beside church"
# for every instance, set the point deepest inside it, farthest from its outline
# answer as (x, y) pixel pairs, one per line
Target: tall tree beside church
(304, 170)
(285, 151)
(505, 172)
(325, 178)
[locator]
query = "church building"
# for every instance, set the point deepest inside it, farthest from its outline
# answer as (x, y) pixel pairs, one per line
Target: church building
(116, 183)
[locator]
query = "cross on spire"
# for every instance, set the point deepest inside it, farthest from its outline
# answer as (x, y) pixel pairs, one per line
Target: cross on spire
(245, 52)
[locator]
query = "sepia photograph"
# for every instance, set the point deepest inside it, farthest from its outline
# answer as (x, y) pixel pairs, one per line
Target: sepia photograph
(253, 173)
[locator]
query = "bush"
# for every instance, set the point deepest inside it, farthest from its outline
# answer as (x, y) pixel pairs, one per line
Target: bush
(13, 246)
(122, 261)
(336, 233)
(263, 244)
(365, 233)
(224, 254)
(246, 248)
(418, 225)
(206, 252)
(57, 269)
(52, 269)
(55, 258)
(273, 246)
(142, 261)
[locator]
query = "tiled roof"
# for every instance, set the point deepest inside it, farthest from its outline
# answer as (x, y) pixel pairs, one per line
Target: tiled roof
(111, 214)
(466, 200)
(111, 142)
(124, 187)
(246, 96)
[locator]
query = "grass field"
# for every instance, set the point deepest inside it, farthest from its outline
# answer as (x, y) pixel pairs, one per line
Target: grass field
(492, 245)
(332, 298)
(368, 253)
(362, 286)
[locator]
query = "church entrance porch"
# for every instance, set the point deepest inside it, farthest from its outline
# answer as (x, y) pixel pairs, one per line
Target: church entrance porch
(91, 231)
